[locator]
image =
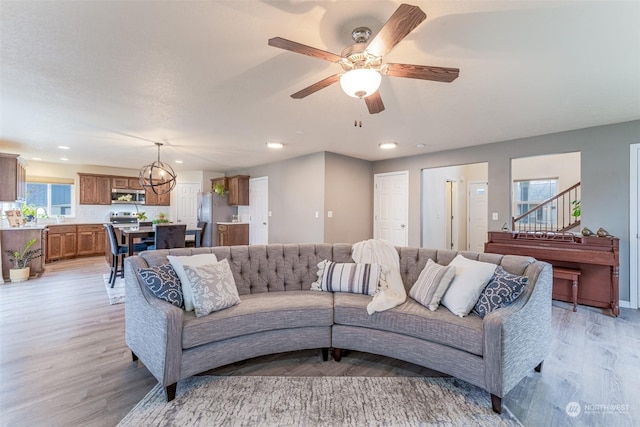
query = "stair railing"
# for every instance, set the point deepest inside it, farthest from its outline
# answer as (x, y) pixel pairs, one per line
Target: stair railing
(555, 214)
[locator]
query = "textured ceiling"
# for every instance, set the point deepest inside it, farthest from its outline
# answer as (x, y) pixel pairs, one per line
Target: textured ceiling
(109, 78)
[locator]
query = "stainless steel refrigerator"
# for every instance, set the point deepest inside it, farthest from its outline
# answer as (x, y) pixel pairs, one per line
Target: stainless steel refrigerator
(213, 209)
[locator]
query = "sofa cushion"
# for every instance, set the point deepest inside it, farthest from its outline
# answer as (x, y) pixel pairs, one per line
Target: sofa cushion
(503, 288)
(432, 284)
(212, 287)
(348, 277)
(413, 319)
(257, 313)
(163, 281)
(178, 263)
(467, 285)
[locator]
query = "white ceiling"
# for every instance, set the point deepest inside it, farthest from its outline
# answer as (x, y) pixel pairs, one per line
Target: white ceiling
(108, 78)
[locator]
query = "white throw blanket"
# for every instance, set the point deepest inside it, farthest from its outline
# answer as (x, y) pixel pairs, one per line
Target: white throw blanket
(391, 292)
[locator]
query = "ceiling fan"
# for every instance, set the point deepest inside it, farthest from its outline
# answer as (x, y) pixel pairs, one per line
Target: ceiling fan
(362, 62)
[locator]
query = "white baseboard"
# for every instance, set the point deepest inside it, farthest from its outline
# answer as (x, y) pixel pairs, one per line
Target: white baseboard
(625, 304)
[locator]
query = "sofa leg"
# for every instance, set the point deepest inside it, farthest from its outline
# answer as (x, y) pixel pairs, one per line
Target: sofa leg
(134, 356)
(170, 391)
(496, 404)
(539, 367)
(337, 354)
(325, 354)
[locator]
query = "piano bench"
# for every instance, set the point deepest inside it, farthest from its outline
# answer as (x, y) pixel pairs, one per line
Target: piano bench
(572, 275)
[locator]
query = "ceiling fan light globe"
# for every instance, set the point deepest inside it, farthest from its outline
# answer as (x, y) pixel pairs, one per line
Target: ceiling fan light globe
(361, 82)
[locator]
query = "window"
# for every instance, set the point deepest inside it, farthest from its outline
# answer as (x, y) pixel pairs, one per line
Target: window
(530, 194)
(56, 199)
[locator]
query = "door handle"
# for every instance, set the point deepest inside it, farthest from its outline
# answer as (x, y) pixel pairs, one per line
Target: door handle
(402, 225)
(264, 223)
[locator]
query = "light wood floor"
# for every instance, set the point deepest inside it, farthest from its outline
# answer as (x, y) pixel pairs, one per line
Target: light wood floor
(63, 360)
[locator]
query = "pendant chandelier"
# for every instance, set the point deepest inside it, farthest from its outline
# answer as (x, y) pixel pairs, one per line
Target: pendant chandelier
(159, 177)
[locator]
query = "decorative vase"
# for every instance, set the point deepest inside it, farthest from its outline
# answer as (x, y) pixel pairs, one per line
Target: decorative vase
(19, 274)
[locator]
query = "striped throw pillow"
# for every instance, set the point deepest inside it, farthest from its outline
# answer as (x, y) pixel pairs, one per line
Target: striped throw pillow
(349, 277)
(432, 284)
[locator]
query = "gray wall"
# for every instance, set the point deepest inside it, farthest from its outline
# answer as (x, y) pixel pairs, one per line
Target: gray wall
(605, 177)
(296, 193)
(349, 195)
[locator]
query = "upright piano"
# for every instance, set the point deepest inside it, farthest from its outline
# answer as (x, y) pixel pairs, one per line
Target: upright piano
(597, 258)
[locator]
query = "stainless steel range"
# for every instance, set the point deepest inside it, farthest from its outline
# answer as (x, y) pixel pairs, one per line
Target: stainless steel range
(123, 218)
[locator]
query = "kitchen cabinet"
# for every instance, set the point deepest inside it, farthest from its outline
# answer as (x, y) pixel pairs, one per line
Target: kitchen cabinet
(126, 183)
(233, 234)
(90, 239)
(15, 238)
(238, 190)
(237, 187)
(61, 242)
(13, 178)
(95, 189)
(153, 199)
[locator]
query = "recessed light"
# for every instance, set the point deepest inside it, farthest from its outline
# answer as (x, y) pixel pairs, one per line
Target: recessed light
(388, 145)
(275, 145)
(178, 161)
(63, 147)
(64, 159)
(36, 158)
(420, 146)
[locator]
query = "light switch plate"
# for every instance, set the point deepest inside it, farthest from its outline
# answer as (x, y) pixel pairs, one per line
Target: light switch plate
(494, 216)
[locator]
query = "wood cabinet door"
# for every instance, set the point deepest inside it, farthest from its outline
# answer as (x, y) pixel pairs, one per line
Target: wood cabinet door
(88, 189)
(54, 246)
(238, 190)
(103, 191)
(86, 243)
(121, 182)
(134, 184)
(153, 199)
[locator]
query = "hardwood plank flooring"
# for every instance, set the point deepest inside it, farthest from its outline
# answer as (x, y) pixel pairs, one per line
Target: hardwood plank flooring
(63, 360)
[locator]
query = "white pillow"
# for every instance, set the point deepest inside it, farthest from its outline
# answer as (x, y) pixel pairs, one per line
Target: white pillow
(433, 282)
(467, 285)
(213, 287)
(178, 263)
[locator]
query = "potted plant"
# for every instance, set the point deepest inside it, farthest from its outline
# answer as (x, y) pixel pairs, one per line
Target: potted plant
(220, 189)
(141, 216)
(28, 211)
(162, 219)
(21, 259)
(575, 208)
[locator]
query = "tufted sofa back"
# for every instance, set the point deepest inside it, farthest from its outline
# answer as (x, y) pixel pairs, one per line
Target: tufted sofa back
(293, 267)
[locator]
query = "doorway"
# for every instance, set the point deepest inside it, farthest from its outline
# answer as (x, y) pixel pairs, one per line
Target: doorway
(477, 208)
(187, 203)
(391, 207)
(258, 211)
(446, 210)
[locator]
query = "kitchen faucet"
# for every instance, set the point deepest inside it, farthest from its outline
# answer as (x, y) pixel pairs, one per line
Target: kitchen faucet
(41, 211)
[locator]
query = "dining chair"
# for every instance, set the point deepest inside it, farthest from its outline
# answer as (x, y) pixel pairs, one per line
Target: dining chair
(169, 236)
(191, 239)
(118, 252)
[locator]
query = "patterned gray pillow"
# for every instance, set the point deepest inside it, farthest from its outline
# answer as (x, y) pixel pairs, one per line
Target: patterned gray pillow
(213, 287)
(163, 281)
(502, 290)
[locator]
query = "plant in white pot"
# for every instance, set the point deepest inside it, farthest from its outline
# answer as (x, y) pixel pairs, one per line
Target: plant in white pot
(21, 259)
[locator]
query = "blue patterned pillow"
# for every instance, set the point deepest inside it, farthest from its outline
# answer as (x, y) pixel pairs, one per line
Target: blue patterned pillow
(164, 283)
(502, 290)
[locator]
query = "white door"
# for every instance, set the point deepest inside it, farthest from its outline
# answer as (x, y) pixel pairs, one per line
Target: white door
(451, 216)
(187, 203)
(478, 219)
(259, 211)
(391, 207)
(634, 229)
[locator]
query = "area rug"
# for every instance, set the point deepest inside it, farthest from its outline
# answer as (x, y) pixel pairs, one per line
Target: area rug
(116, 294)
(319, 401)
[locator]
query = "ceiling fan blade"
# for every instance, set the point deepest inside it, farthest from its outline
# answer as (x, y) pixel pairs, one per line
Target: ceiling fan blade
(424, 72)
(316, 86)
(401, 23)
(303, 49)
(374, 103)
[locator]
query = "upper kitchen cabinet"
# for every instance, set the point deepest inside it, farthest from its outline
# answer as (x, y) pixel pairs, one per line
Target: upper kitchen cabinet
(238, 190)
(95, 189)
(153, 199)
(126, 183)
(13, 178)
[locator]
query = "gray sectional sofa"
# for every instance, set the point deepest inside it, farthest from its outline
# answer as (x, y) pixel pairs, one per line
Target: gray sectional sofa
(279, 313)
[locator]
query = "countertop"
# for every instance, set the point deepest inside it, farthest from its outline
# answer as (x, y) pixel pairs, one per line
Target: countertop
(36, 227)
(231, 223)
